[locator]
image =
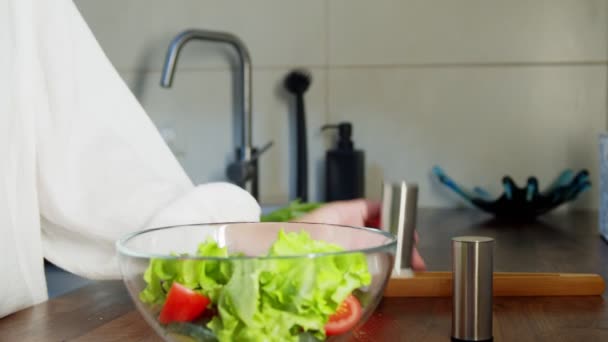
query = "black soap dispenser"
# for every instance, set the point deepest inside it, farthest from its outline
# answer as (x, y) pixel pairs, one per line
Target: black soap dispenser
(344, 167)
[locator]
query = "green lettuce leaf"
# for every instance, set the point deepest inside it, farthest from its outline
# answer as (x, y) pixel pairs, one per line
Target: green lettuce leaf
(294, 210)
(278, 299)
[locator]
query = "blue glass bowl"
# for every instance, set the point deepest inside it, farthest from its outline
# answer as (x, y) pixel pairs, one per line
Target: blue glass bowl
(521, 203)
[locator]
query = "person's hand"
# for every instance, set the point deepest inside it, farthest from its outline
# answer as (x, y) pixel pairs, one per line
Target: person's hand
(358, 213)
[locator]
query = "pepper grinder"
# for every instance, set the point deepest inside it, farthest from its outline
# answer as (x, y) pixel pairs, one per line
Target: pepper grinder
(398, 217)
(472, 288)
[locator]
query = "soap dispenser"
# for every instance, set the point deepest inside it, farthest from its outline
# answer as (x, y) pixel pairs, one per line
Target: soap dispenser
(344, 166)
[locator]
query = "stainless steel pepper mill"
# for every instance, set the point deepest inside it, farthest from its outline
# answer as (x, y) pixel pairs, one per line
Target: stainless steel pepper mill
(398, 217)
(473, 274)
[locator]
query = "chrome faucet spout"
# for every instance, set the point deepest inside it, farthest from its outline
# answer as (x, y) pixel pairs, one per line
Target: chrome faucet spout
(244, 71)
(244, 88)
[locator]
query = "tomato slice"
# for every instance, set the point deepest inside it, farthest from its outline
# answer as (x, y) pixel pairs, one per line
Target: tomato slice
(182, 305)
(374, 222)
(346, 317)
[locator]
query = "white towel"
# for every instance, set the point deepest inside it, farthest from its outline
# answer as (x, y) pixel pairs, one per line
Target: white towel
(80, 162)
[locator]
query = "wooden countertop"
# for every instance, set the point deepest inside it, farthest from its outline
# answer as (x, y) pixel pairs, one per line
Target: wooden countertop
(561, 242)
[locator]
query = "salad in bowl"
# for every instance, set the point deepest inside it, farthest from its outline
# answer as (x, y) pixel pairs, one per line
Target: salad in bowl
(256, 281)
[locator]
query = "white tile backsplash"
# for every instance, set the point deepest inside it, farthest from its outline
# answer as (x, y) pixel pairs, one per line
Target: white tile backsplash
(477, 123)
(482, 88)
(366, 32)
(135, 34)
(198, 110)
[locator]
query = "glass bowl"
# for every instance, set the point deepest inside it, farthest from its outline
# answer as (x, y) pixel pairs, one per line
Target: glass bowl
(256, 281)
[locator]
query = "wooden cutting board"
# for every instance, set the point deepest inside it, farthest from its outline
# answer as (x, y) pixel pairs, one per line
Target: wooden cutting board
(439, 284)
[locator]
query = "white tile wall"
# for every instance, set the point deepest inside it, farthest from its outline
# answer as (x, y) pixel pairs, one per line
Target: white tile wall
(466, 31)
(482, 88)
(477, 123)
(197, 108)
(136, 33)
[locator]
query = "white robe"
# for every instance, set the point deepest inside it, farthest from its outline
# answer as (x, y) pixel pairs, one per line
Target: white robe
(80, 162)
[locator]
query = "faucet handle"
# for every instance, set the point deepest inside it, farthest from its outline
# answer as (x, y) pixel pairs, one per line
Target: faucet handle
(241, 171)
(256, 155)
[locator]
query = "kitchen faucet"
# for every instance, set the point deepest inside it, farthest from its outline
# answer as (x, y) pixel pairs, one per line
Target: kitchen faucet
(245, 168)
